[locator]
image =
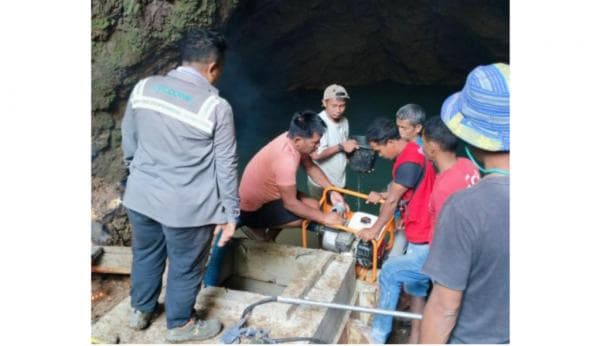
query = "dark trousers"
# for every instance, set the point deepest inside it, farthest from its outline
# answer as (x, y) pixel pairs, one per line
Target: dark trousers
(187, 249)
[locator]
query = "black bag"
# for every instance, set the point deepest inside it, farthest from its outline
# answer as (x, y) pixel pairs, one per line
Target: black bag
(362, 160)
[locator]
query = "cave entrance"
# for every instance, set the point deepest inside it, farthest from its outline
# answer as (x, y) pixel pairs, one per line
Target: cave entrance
(282, 54)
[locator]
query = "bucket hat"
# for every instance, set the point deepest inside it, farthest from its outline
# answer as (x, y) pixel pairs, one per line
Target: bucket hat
(480, 113)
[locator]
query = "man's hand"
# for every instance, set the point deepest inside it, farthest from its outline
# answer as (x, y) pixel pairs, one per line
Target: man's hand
(228, 229)
(374, 197)
(337, 198)
(333, 218)
(399, 223)
(350, 145)
(368, 234)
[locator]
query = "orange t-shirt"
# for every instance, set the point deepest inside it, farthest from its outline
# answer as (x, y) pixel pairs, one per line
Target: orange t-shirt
(275, 164)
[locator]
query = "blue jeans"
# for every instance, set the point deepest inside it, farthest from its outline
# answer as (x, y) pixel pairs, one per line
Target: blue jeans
(397, 272)
(187, 249)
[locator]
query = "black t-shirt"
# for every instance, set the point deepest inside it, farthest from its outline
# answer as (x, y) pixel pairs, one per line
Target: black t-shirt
(409, 174)
(470, 253)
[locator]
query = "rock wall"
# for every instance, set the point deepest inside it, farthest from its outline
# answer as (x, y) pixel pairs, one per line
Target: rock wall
(131, 39)
(310, 43)
(284, 45)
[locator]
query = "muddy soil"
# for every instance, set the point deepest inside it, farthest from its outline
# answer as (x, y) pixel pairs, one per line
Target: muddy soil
(107, 291)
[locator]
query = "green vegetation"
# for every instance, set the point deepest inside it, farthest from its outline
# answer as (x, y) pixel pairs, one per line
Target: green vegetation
(115, 49)
(130, 8)
(100, 24)
(103, 92)
(102, 121)
(186, 13)
(127, 47)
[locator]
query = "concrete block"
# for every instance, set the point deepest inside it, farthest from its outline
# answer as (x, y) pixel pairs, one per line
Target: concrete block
(262, 267)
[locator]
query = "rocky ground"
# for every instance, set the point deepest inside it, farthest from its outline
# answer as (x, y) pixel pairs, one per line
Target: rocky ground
(107, 291)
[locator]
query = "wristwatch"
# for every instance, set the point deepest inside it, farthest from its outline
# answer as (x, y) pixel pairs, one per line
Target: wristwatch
(340, 147)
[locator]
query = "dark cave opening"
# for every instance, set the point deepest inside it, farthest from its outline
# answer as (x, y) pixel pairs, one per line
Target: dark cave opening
(282, 54)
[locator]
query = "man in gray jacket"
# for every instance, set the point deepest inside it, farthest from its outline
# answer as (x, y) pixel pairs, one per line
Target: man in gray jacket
(179, 146)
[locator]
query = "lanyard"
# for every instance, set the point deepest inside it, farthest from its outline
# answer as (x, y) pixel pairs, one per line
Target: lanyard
(490, 170)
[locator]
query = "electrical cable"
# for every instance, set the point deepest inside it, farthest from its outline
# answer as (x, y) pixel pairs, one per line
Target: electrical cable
(248, 310)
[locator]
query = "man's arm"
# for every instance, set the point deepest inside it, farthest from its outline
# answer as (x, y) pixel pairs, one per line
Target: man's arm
(395, 192)
(448, 265)
(317, 175)
(345, 147)
(326, 153)
(297, 207)
(315, 172)
(128, 135)
(226, 158)
(406, 177)
(440, 315)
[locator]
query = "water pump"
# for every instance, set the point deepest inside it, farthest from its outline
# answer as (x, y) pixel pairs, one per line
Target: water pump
(342, 238)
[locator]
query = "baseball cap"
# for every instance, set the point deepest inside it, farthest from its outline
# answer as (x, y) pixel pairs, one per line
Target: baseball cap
(335, 91)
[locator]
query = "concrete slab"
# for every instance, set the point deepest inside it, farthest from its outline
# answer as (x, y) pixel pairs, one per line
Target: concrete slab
(366, 297)
(262, 267)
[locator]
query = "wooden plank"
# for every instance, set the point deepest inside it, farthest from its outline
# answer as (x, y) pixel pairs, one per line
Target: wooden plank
(114, 260)
(111, 270)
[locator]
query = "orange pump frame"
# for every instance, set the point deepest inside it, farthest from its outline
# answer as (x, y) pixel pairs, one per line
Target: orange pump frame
(361, 273)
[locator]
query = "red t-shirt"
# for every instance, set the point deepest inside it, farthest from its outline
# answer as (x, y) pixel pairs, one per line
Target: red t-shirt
(416, 218)
(461, 175)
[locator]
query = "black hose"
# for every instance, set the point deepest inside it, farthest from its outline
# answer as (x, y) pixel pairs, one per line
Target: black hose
(249, 308)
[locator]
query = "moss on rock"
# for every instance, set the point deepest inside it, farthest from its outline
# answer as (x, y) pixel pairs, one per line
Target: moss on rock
(126, 34)
(127, 38)
(102, 121)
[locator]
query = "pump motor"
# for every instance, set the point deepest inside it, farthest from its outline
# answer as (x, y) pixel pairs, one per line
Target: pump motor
(342, 237)
(333, 240)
